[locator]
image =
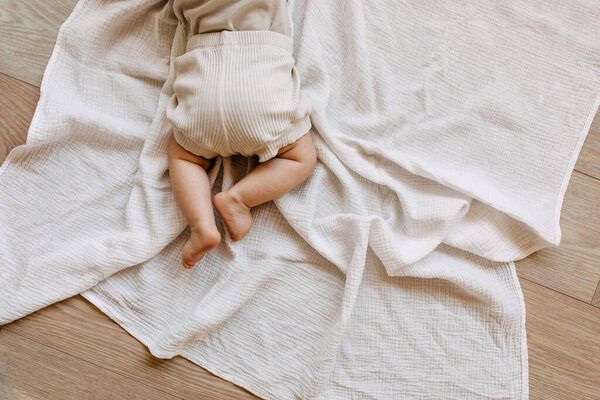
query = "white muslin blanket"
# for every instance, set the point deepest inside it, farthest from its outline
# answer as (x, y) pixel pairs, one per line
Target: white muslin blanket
(446, 134)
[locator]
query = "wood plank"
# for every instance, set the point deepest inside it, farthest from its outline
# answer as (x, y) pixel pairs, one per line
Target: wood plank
(589, 158)
(596, 298)
(77, 327)
(563, 336)
(17, 105)
(28, 33)
(573, 268)
(29, 370)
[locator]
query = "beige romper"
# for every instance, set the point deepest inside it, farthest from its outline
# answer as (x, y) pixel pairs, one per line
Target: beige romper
(236, 90)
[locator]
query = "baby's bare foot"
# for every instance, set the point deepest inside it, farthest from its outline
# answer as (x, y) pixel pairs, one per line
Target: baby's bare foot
(201, 240)
(235, 214)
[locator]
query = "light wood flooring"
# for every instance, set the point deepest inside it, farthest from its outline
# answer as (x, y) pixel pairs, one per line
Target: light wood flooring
(71, 350)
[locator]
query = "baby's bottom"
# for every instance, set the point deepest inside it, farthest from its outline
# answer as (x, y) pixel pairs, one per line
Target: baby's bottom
(269, 180)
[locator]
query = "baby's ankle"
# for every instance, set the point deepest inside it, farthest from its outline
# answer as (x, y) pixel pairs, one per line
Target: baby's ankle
(201, 228)
(233, 195)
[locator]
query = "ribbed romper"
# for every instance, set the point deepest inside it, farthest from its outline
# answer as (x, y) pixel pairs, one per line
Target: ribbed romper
(236, 91)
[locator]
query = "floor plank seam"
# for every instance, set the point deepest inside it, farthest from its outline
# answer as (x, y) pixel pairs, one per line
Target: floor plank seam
(586, 174)
(596, 297)
(89, 362)
(20, 80)
(556, 291)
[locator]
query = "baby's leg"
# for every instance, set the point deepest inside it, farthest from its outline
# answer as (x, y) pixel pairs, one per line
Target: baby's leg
(268, 181)
(192, 192)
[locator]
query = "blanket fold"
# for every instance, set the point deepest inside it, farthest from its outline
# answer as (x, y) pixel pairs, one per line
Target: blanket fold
(446, 134)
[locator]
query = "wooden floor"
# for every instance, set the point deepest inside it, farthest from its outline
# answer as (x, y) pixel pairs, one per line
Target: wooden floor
(71, 350)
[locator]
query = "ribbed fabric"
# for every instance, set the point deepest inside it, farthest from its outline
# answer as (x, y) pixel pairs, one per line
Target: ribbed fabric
(203, 16)
(237, 93)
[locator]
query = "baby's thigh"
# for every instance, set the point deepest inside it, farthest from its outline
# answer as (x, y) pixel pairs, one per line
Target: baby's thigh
(300, 150)
(177, 152)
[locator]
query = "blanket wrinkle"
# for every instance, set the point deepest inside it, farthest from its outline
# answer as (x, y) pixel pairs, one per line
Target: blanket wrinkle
(389, 272)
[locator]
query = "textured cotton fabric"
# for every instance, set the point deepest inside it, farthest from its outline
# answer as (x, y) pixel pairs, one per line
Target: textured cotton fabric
(237, 93)
(446, 133)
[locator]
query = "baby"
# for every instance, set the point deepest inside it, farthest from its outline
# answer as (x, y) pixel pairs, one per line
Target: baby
(236, 91)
